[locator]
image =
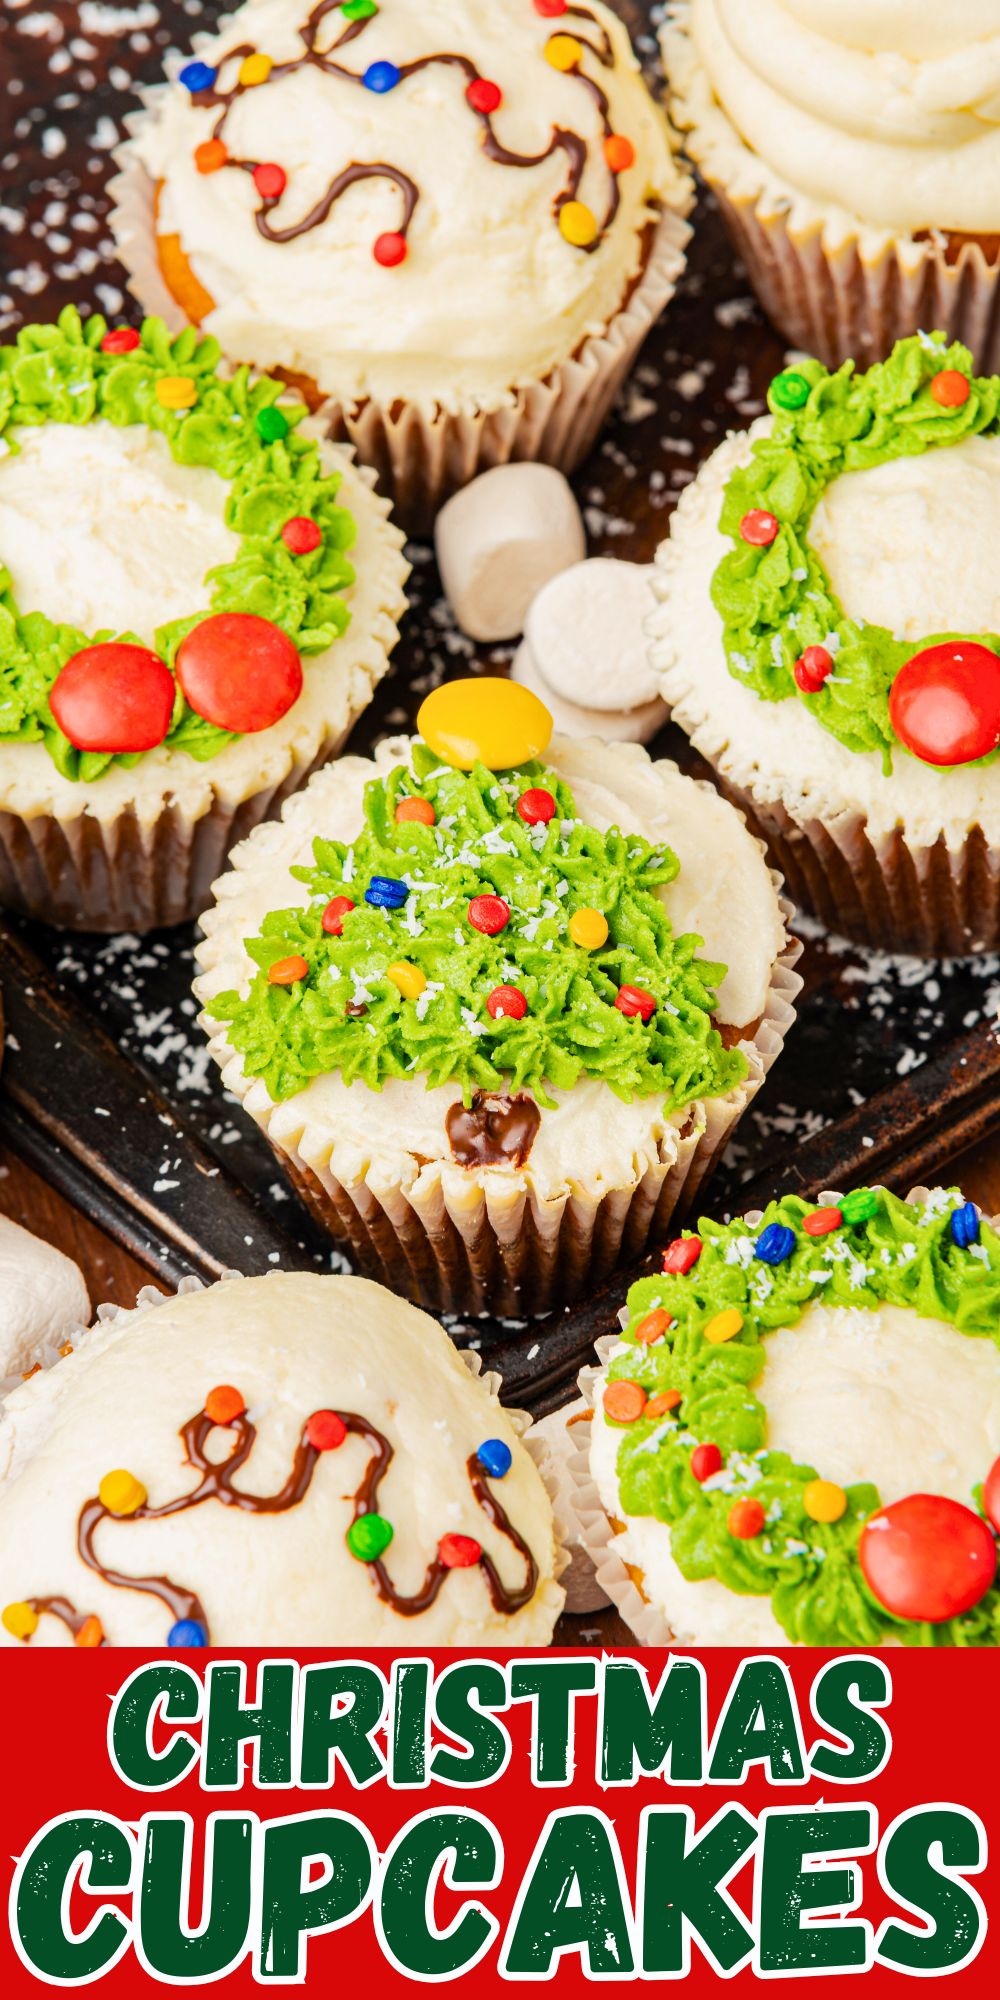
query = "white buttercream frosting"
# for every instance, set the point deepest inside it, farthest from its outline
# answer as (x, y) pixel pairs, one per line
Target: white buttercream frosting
(778, 748)
(292, 1343)
(396, 1136)
(882, 1395)
(880, 110)
(491, 295)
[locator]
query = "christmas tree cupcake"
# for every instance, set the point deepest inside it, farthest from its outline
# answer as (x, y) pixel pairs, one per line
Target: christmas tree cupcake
(462, 989)
(828, 633)
(190, 1476)
(455, 221)
(196, 601)
(794, 1441)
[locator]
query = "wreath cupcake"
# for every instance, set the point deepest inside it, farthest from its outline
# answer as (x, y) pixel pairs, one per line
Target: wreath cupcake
(794, 1441)
(461, 989)
(455, 221)
(196, 601)
(828, 633)
(187, 1475)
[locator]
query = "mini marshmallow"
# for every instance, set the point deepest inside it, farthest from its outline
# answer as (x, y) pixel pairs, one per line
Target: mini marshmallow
(500, 539)
(585, 631)
(42, 1296)
(634, 725)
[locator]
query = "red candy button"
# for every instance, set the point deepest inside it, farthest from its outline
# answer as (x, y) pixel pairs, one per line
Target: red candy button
(301, 535)
(325, 1431)
(489, 914)
(536, 807)
(745, 1519)
(632, 1000)
(484, 95)
(991, 1494)
(459, 1551)
(759, 528)
(812, 669)
(681, 1255)
(927, 1557)
(333, 916)
(944, 704)
(389, 248)
(822, 1221)
(950, 388)
(550, 10)
(116, 698)
(120, 340)
(239, 671)
(224, 1404)
(419, 810)
(270, 180)
(508, 1001)
(706, 1459)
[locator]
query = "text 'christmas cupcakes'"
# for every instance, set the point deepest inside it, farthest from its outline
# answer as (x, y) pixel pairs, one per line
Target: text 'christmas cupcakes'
(454, 220)
(795, 1440)
(289, 1460)
(196, 602)
(828, 634)
(461, 988)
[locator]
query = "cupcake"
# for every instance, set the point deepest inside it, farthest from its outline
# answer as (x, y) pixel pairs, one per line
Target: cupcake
(827, 634)
(190, 1476)
(460, 988)
(197, 601)
(794, 1441)
(454, 222)
(854, 150)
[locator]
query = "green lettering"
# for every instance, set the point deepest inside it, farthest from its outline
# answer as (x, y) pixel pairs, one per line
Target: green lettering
(293, 1906)
(573, 1899)
(165, 1944)
(956, 1918)
(844, 1694)
(229, 1724)
(787, 1891)
(759, 1724)
(682, 1888)
(172, 1688)
(463, 1692)
(43, 1874)
(468, 1847)
(666, 1734)
(330, 1730)
(408, 1742)
(552, 1685)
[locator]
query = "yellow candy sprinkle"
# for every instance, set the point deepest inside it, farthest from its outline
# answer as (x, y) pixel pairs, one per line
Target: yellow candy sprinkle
(724, 1326)
(589, 929)
(19, 1620)
(121, 1493)
(484, 721)
(578, 223)
(408, 978)
(563, 51)
(823, 1500)
(255, 69)
(176, 392)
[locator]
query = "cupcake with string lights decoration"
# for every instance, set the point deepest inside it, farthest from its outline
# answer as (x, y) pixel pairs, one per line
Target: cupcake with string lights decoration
(197, 600)
(794, 1440)
(828, 633)
(854, 149)
(187, 1476)
(497, 1001)
(455, 222)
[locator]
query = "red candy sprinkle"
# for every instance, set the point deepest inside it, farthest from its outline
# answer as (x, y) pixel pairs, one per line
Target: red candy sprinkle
(420, 810)
(812, 669)
(224, 1404)
(120, 340)
(389, 248)
(114, 697)
(759, 528)
(333, 916)
(705, 1459)
(508, 1001)
(301, 535)
(325, 1431)
(822, 1221)
(484, 95)
(950, 388)
(944, 704)
(550, 9)
(927, 1557)
(489, 914)
(270, 180)
(536, 807)
(459, 1551)
(632, 1000)
(745, 1519)
(619, 152)
(239, 671)
(991, 1494)
(681, 1255)
(286, 971)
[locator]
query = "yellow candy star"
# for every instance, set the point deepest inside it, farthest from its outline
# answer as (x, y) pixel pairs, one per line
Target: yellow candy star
(19, 1620)
(121, 1492)
(578, 223)
(408, 978)
(724, 1326)
(589, 929)
(255, 69)
(176, 392)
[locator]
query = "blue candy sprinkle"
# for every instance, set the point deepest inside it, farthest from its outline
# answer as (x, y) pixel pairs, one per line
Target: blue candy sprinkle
(965, 1225)
(495, 1457)
(380, 77)
(187, 1632)
(775, 1243)
(386, 892)
(197, 76)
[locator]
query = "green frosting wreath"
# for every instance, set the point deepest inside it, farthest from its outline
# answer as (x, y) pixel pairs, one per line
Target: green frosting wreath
(480, 845)
(887, 1251)
(58, 374)
(777, 601)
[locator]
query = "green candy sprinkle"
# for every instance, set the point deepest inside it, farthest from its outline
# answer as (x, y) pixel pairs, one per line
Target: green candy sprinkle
(369, 1537)
(859, 1206)
(272, 424)
(789, 390)
(358, 10)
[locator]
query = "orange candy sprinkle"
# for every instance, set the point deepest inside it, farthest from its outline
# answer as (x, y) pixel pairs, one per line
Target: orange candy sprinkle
(745, 1519)
(418, 809)
(654, 1326)
(285, 971)
(950, 388)
(619, 152)
(211, 155)
(91, 1633)
(224, 1404)
(662, 1404)
(624, 1402)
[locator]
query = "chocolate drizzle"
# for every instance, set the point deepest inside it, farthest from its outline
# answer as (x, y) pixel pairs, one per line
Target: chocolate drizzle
(494, 1131)
(216, 1483)
(562, 140)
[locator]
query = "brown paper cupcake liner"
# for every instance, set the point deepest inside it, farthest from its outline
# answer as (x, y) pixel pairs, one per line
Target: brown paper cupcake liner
(422, 457)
